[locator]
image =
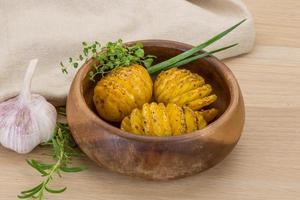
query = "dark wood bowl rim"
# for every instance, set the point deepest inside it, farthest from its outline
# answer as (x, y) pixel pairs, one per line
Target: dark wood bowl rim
(221, 68)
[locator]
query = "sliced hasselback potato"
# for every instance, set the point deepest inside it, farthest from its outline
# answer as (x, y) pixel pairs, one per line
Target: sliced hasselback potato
(184, 88)
(122, 90)
(160, 120)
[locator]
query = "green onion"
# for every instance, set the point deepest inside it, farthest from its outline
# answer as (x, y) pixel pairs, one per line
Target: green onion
(193, 58)
(186, 54)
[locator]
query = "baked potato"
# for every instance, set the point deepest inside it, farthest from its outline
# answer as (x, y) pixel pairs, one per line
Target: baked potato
(184, 88)
(160, 120)
(122, 90)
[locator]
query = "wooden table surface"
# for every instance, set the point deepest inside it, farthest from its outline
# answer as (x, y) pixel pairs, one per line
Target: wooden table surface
(266, 162)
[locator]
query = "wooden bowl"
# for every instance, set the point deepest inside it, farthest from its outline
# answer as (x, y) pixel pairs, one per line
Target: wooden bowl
(151, 157)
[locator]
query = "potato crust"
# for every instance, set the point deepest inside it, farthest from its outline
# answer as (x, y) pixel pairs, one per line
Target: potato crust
(160, 120)
(121, 91)
(184, 88)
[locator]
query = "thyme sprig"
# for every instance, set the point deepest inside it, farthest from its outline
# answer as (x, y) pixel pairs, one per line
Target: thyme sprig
(113, 55)
(63, 151)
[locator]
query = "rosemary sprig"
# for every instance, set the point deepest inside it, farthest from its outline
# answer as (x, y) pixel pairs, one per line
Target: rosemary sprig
(63, 150)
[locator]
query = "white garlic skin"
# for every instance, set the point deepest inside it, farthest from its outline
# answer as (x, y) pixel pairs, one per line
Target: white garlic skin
(26, 120)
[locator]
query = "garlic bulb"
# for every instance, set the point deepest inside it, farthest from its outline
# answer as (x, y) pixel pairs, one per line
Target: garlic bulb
(26, 120)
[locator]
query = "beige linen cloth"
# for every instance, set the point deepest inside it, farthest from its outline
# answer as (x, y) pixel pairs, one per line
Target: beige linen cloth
(52, 31)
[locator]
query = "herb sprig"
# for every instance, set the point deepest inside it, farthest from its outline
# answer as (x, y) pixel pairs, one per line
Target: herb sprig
(63, 150)
(113, 55)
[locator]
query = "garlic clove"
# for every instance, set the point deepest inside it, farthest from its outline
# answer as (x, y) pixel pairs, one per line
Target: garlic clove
(26, 120)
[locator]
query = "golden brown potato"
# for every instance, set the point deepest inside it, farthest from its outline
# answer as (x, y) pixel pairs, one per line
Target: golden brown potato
(122, 90)
(160, 120)
(210, 114)
(184, 88)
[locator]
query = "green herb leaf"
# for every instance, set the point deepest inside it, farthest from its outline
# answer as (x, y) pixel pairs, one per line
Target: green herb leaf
(29, 195)
(38, 187)
(72, 169)
(139, 53)
(34, 164)
(55, 191)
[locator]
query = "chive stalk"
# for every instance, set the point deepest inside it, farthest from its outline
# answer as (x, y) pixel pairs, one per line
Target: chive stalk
(165, 64)
(193, 58)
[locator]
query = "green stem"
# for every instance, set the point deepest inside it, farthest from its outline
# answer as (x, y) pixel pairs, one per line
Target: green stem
(51, 173)
(182, 56)
(193, 58)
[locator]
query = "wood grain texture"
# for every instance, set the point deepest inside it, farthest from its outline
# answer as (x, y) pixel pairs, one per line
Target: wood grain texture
(266, 162)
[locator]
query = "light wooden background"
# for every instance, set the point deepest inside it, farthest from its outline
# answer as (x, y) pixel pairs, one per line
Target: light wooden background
(266, 162)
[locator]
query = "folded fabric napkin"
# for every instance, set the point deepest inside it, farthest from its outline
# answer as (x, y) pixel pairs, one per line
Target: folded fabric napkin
(52, 32)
